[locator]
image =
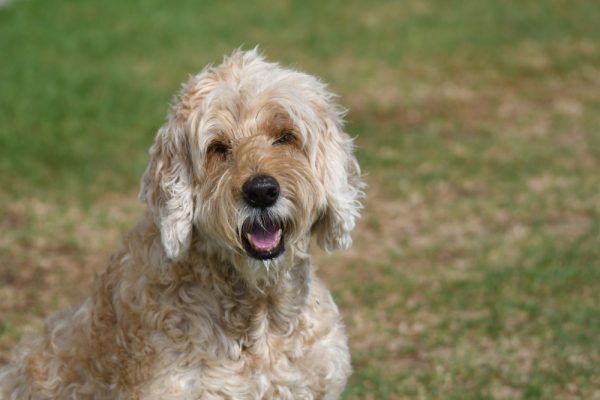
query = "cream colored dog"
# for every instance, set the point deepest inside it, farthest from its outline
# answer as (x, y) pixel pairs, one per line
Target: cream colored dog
(214, 295)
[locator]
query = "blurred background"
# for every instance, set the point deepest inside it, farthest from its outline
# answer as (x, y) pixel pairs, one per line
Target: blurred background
(475, 271)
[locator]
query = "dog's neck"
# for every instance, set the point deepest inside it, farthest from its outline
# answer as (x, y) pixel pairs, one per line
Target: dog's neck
(255, 307)
(249, 310)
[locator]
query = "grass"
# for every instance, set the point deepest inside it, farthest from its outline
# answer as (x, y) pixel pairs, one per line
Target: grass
(474, 272)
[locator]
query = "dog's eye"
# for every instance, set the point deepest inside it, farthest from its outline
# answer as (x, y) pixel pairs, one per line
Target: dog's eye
(219, 148)
(286, 137)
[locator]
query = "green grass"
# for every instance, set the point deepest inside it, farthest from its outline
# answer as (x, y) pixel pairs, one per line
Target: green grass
(474, 273)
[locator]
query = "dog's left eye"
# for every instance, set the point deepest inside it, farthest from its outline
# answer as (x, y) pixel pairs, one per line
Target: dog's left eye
(219, 148)
(286, 137)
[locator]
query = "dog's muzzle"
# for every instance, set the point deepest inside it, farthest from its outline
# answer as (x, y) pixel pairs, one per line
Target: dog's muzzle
(262, 237)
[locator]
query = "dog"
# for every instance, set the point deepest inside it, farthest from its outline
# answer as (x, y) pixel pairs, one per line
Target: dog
(214, 295)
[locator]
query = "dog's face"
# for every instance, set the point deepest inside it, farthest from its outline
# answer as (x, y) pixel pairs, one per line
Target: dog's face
(250, 163)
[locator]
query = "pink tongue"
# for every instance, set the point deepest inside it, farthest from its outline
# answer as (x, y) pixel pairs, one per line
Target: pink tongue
(264, 239)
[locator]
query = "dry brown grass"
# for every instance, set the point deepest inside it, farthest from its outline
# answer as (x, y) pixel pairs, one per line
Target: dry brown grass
(50, 254)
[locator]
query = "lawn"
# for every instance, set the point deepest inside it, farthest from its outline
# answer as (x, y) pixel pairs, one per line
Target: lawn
(475, 271)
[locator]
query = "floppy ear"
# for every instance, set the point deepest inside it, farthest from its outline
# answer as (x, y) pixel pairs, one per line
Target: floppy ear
(166, 188)
(340, 174)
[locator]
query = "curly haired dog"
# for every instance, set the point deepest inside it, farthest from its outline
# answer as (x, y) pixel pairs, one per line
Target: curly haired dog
(214, 295)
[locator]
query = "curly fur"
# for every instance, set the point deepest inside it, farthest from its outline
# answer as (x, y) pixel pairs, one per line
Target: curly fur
(183, 312)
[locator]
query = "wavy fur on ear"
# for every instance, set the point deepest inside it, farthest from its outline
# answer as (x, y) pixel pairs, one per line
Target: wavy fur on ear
(340, 174)
(166, 188)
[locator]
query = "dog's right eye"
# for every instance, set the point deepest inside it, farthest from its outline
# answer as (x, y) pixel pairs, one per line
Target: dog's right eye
(219, 148)
(286, 137)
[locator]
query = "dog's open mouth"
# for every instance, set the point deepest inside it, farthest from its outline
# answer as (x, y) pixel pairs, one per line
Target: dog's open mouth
(263, 240)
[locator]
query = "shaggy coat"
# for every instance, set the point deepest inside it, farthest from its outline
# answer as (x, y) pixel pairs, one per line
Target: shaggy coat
(213, 295)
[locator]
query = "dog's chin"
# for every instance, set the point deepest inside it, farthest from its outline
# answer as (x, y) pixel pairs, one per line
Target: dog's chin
(263, 240)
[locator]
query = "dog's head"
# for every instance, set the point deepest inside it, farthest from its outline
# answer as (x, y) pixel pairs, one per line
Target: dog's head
(251, 161)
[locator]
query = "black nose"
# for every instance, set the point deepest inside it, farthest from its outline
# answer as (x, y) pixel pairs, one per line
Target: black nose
(261, 191)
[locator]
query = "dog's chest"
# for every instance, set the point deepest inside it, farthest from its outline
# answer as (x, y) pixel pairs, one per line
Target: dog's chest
(261, 372)
(302, 365)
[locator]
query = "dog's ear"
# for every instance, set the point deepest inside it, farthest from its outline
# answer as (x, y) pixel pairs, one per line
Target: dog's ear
(340, 174)
(167, 189)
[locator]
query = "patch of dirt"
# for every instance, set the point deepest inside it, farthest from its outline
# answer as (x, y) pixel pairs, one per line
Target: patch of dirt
(50, 254)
